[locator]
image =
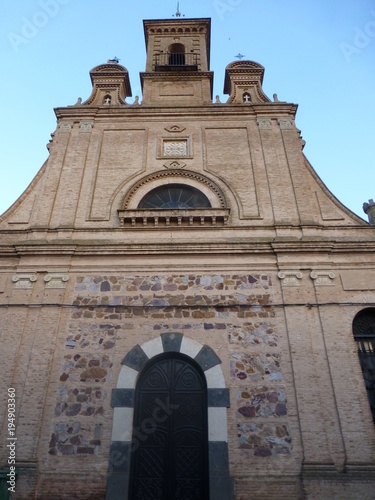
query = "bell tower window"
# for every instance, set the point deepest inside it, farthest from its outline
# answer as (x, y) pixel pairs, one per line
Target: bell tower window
(176, 58)
(177, 54)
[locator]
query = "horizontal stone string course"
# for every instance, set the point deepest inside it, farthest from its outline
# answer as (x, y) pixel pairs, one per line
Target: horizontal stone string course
(132, 283)
(173, 300)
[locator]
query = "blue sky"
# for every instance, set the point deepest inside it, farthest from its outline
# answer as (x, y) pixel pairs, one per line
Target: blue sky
(318, 54)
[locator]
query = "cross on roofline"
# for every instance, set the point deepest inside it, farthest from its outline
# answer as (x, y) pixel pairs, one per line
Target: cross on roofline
(239, 56)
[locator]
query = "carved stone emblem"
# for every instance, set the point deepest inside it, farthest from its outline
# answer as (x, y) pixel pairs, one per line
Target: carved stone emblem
(174, 148)
(24, 280)
(174, 164)
(56, 280)
(264, 123)
(175, 128)
(323, 278)
(290, 278)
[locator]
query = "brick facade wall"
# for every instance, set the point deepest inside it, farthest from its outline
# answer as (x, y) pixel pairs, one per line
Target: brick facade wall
(74, 366)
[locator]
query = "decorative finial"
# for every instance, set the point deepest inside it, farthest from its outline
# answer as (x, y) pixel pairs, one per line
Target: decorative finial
(369, 209)
(239, 56)
(178, 13)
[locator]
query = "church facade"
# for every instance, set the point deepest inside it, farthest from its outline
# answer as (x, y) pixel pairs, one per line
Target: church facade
(187, 311)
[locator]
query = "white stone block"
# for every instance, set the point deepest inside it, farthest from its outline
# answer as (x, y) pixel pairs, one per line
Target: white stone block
(122, 424)
(217, 424)
(190, 347)
(215, 378)
(127, 378)
(153, 347)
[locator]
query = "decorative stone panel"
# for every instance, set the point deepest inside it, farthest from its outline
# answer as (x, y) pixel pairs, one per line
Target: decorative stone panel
(65, 127)
(256, 367)
(262, 401)
(290, 278)
(264, 440)
(323, 278)
(285, 123)
(74, 438)
(175, 148)
(24, 280)
(264, 123)
(56, 280)
(86, 126)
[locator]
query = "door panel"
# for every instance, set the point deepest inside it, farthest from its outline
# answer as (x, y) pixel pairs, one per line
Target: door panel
(170, 461)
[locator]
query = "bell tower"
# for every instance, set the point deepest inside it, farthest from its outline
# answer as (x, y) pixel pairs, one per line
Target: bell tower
(178, 62)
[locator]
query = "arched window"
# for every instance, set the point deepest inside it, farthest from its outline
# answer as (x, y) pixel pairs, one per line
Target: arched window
(107, 99)
(174, 196)
(170, 430)
(177, 54)
(364, 334)
(246, 98)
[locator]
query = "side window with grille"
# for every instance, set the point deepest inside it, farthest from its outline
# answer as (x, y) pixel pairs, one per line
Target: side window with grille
(364, 335)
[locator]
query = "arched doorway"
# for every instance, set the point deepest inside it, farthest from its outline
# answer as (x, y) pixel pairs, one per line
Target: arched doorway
(125, 442)
(170, 439)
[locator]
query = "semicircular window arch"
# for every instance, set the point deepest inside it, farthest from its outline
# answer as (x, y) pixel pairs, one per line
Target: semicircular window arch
(174, 196)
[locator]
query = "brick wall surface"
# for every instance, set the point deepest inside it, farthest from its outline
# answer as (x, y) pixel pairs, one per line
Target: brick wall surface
(271, 288)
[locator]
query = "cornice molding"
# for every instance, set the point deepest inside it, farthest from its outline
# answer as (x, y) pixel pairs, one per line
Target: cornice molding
(197, 75)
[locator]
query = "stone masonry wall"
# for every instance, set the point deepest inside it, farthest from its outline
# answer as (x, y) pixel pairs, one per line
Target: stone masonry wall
(233, 314)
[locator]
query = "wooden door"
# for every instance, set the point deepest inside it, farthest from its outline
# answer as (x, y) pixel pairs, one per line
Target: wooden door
(169, 459)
